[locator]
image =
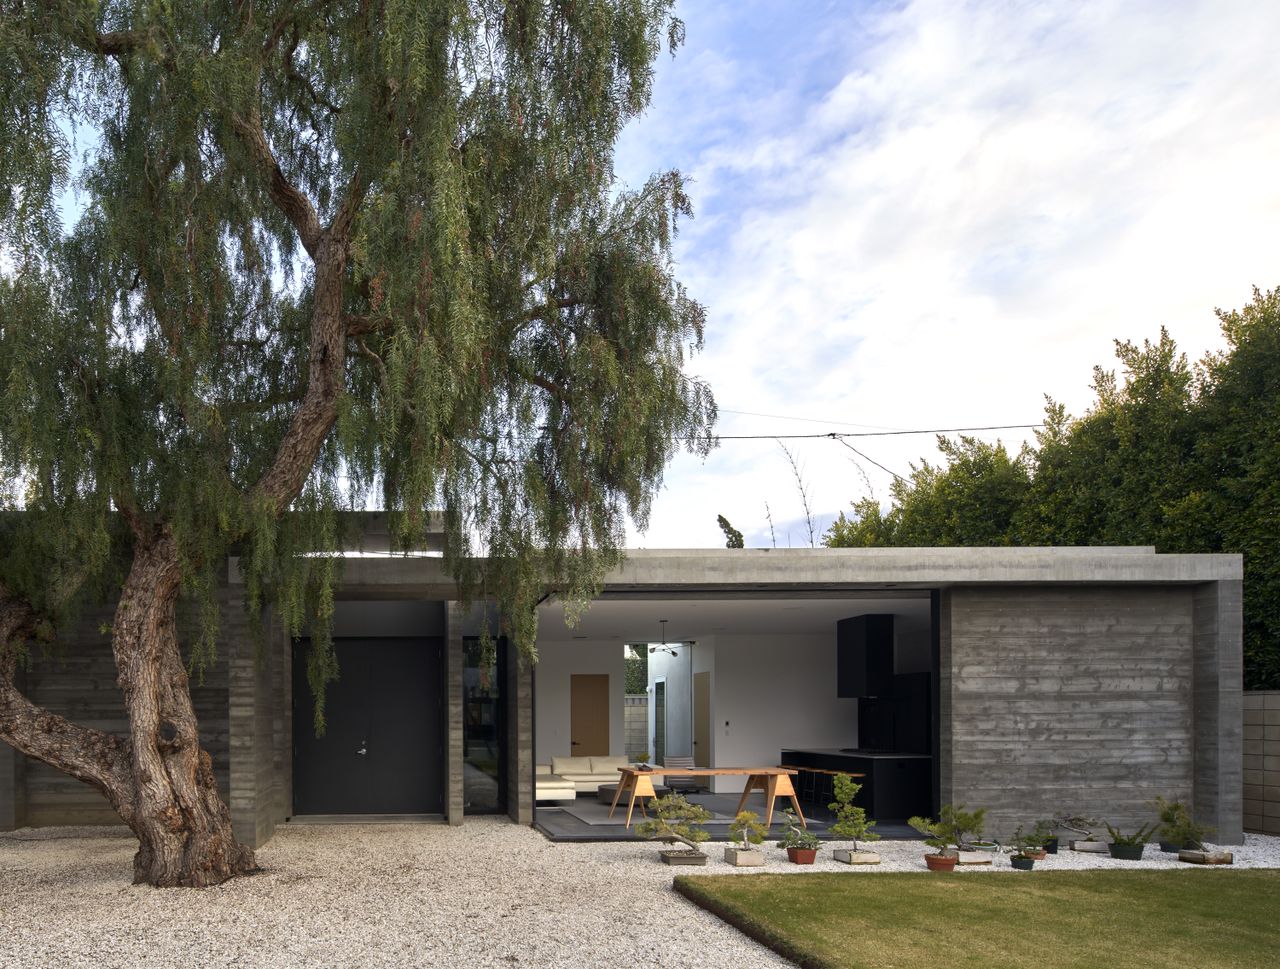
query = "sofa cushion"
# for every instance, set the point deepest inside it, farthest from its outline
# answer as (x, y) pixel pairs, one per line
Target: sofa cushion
(570, 765)
(607, 765)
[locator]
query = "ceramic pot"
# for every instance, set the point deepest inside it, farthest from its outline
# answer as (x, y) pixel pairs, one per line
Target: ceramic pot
(1126, 852)
(1022, 864)
(941, 862)
(802, 856)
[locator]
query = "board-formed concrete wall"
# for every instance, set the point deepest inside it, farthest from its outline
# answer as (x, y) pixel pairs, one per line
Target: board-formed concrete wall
(1067, 701)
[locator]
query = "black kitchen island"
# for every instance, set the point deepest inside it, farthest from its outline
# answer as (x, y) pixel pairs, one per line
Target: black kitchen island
(895, 785)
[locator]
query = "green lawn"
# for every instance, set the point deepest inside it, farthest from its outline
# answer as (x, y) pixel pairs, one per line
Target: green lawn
(1045, 920)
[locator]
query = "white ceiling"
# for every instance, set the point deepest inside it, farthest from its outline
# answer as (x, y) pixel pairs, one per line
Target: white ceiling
(637, 620)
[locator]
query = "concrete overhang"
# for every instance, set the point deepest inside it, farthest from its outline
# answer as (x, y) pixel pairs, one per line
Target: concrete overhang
(823, 570)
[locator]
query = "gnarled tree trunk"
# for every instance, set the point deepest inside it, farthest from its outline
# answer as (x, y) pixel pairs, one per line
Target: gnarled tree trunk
(182, 824)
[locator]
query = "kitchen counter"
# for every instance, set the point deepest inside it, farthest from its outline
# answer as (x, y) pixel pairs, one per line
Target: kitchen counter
(895, 786)
(852, 752)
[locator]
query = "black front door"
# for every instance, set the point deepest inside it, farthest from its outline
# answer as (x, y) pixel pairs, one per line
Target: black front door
(381, 752)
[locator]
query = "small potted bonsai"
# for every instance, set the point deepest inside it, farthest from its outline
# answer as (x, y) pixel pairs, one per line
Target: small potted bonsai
(951, 829)
(1178, 830)
(745, 833)
(1026, 848)
(1129, 847)
(851, 823)
(1081, 825)
(1044, 831)
(643, 764)
(802, 844)
(677, 820)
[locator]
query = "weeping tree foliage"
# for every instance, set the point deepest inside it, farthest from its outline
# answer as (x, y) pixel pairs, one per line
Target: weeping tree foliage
(322, 254)
(1185, 457)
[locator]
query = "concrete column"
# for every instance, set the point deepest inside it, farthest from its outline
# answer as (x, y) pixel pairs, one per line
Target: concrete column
(454, 752)
(519, 699)
(946, 779)
(1217, 732)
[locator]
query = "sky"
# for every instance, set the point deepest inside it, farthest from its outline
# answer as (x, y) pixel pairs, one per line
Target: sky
(932, 214)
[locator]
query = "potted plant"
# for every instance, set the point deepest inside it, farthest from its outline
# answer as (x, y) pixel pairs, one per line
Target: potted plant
(802, 844)
(851, 823)
(745, 833)
(1048, 840)
(643, 763)
(1178, 830)
(1026, 848)
(1084, 826)
(951, 828)
(1129, 847)
(676, 819)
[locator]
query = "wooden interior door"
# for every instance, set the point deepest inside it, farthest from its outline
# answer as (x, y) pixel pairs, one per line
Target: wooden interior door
(589, 714)
(701, 719)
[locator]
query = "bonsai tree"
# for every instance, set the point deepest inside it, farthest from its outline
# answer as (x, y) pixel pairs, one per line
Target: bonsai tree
(1139, 837)
(746, 830)
(796, 834)
(955, 826)
(1177, 826)
(675, 819)
(851, 820)
(1024, 843)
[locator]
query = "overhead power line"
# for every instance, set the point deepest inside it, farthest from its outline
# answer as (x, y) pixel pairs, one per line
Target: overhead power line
(838, 435)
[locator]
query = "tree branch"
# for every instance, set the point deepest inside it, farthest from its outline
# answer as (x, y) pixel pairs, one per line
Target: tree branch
(93, 756)
(297, 208)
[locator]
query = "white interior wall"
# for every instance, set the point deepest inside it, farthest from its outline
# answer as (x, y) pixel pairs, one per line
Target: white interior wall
(556, 663)
(771, 692)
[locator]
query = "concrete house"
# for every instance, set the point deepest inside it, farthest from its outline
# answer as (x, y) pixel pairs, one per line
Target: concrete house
(1035, 682)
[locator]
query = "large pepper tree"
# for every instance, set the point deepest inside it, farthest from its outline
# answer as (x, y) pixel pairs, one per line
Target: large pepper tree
(264, 260)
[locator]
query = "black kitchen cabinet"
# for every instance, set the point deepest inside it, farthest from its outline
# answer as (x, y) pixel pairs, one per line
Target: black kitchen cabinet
(864, 656)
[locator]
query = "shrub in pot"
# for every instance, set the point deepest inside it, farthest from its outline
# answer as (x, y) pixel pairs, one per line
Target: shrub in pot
(851, 823)
(802, 844)
(745, 833)
(675, 819)
(1048, 840)
(1178, 829)
(947, 834)
(1129, 847)
(1025, 849)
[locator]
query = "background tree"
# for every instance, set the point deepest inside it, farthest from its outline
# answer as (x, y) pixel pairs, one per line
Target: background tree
(327, 250)
(1185, 459)
(635, 671)
(732, 537)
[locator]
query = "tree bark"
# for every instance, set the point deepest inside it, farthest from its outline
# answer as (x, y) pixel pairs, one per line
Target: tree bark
(183, 826)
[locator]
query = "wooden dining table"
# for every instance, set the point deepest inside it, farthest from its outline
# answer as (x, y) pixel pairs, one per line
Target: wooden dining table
(775, 782)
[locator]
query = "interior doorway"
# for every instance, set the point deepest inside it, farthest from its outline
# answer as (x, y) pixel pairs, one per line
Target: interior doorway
(702, 719)
(660, 721)
(589, 714)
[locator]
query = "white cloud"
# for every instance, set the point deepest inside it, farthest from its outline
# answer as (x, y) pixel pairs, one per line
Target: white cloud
(955, 219)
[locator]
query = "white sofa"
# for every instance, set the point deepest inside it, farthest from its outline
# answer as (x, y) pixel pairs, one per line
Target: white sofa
(566, 777)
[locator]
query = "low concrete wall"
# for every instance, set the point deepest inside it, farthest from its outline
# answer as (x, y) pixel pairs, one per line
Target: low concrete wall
(1262, 761)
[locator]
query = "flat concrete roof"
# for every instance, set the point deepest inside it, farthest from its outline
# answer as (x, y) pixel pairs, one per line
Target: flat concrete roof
(756, 570)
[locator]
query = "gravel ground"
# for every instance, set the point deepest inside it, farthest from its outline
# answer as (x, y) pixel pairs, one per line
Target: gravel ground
(489, 893)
